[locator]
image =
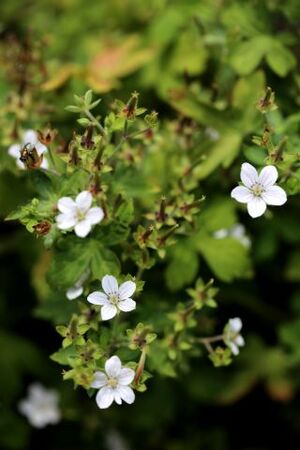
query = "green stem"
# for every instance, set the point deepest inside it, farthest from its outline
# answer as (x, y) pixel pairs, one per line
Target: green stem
(95, 122)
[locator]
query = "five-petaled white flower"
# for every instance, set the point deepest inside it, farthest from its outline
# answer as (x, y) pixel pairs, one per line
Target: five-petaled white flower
(237, 232)
(232, 337)
(41, 406)
(115, 298)
(29, 137)
(259, 190)
(114, 384)
(78, 214)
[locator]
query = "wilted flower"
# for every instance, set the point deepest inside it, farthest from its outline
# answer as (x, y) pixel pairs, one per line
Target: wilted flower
(237, 232)
(78, 214)
(114, 385)
(76, 290)
(232, 337)
(30, 138)
(259, 190)
(115, 298)
(41, 406)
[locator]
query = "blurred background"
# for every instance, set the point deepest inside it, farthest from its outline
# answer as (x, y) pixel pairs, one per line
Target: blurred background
(51, 49)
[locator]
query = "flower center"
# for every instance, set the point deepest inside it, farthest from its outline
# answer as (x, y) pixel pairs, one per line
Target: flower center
(114, 299)
(80, 214)
(257, 189)
(112, 382)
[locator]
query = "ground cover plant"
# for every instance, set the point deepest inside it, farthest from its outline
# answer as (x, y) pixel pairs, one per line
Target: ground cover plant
(150, 251)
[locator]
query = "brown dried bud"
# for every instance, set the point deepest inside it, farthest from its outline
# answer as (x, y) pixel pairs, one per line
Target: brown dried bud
(42, 228)
(87, 140)
(130, 108)
(47, 135)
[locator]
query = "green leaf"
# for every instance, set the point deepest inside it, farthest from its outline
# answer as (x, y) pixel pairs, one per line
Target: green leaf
(74, 257)
(222, 153)
(218, 215)
(64, 356)
(183, 266)
(227, 258)
(280, 59)
(103, 262)
(247, 55)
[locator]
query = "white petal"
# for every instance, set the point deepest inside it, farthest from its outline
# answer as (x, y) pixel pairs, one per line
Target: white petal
(74, 292)
(126, 393)
(98, 298)
(241, 194)
(237, 231)
(113, 367)
(105, 397)
(239, 340)
(41, 148)
(95, 215)
(256, 207)
(110, 285)
(126, 376)
(127, 305)
(65, 221)
(14, 151)
(108, 312)
(82, 228)
(20, 164)
(268, 176)
(234, 348)
(274, 195)
(235, 324)
(126, 289)
(221, 234)
(30, 137)
(66, 205)
(84, 201)
(45, 163)
(117, 397)
(100, 380)
(249, 175)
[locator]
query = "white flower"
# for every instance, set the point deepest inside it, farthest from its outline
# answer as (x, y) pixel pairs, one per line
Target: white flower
(259, 190)
(29, 137)
(212, 133)
(76, 290)
(115, 298)
(41, 406)
(78, 214)
(232, 336)
(114, 384)
(237, 232)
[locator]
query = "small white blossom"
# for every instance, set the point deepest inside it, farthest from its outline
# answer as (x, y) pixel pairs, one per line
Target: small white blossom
(212, 133)
(259, 190)
(114, 385)
(78, 214)
(29, 137)
(232, 337)
(115, 298)
(41, 406)
(237, 232)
